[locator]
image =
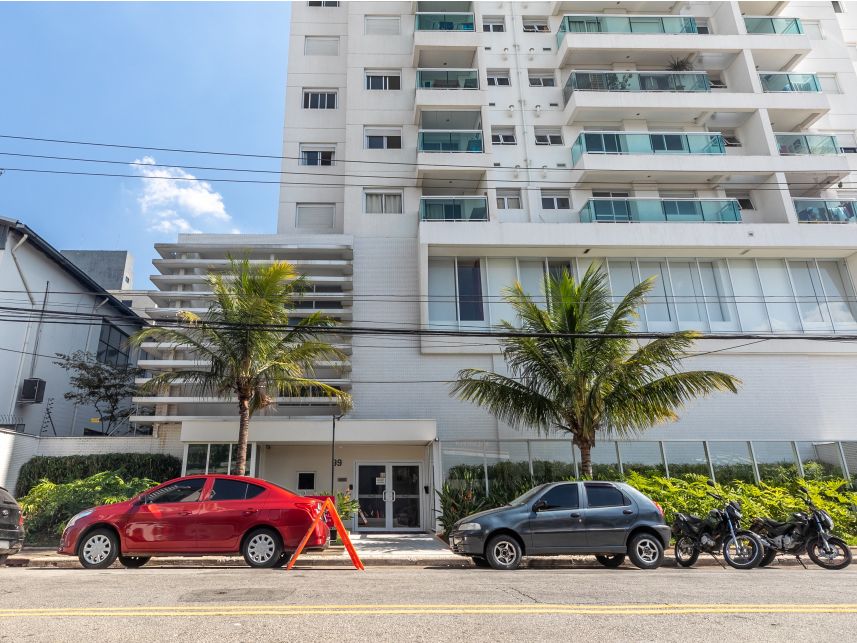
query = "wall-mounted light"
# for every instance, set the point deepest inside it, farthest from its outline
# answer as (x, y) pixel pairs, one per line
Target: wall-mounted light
(505, 53)
(511, 109)
(532, 53)
(544, 171)
(538, 110)
(517, 170)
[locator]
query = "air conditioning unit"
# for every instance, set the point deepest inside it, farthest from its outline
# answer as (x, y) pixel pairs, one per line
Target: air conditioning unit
(849, 150)
(33, 391)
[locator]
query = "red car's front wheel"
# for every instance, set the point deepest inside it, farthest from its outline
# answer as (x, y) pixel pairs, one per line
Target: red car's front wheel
(98, 549)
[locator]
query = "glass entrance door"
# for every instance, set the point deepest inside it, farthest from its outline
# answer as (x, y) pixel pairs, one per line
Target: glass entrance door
(389, 496)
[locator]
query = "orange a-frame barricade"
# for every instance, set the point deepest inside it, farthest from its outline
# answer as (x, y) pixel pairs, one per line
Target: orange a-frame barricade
(337, 522)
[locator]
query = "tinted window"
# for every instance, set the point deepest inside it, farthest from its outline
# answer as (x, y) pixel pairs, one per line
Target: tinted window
(234, 490)
(602, 495)
(184, 491)
(563, 496)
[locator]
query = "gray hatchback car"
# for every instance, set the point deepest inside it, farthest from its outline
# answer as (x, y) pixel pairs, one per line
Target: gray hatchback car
(607, 519)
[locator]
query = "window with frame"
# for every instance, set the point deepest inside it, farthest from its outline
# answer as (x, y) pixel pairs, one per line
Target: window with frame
(317, 155)
(321, 45)
(319, 99)
(564, 496)
(306, 480)
(536, 25)
(494, 24)
(548, 136)
(382, 138)
(503, 136)
(378, 202)
(383, 25)
(743, 198)
(542, 79)
(499, 78)
(604, 495)
(112, 346)
(323, 3)
(181, 491)
(509, 199)
(383, 80)
(611, 194)
(315, 215)
(555, 200)
(225, 489)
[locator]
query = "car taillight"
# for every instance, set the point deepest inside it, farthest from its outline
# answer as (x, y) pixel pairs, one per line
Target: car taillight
(660, 509)
(312, 508)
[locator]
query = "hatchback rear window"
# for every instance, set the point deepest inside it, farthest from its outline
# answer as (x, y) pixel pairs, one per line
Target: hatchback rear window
(225, 489)
(604, 495)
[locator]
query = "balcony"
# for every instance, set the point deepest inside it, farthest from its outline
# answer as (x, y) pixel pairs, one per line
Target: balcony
(630, 81)
(766, 25)
(625, 24)
(660, 210)
(646, 143)
(455, 141)
(825, 211)
(806, 144)
(446, 208)
(782, 82)
(426, 21)
(447, 79)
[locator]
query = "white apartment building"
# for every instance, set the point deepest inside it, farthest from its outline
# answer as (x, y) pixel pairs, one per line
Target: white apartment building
(436, 152)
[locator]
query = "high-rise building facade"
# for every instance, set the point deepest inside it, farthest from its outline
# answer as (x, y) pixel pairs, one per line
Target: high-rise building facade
(436, 152)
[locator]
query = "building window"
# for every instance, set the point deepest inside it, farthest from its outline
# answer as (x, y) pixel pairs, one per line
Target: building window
(322, 3)
(611, 194)
(553, 200)
(499, 78)
(536, 25)
(847, 142)
(542, 79)
(316, 156)
(315, 215)
(503, 136)
(383, 80)
(383, 25)
(509, 199)
(306, 480)
(319, 99)
(548, 136)
(112, 346)
(213, 458)
(493, 23)
(838, 7)
(321, 46)
(383, 202)
(828, 83)
(377, 138)
(469, 278)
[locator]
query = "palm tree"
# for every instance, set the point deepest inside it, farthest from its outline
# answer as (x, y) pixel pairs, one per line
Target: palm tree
(253, 351)
(578, 370)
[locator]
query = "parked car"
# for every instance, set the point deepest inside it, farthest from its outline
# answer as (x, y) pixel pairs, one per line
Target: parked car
(607, 519)
(196, 516)
(11, 526)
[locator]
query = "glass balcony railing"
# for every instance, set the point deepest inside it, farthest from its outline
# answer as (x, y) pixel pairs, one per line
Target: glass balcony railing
(782, 82)
(647, 143)
(444, 22)
(625, 24)
(799, 144)
(632, 81)
(773, 25)
(659, 210)
(825, 211)
(447, 208)
(447, 79)
(450, 141)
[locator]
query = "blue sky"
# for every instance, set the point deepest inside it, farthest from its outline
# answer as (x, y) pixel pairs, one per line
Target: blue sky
(208, 76)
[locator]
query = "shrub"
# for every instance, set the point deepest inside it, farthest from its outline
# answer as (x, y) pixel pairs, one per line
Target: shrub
(61, 469)
(49, 506)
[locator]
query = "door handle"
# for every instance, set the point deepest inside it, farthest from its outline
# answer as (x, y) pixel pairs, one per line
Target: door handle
(393, 491)
(250, 512)
(185, 513)
(627, 512)
(574, 515)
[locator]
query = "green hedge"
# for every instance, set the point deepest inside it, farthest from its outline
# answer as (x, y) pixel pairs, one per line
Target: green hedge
(49, 506)
(67, 468)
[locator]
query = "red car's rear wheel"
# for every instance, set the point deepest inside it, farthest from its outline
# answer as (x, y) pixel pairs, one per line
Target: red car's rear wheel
(262, 548)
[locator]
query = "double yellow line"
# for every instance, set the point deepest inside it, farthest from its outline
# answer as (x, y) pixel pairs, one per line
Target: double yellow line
(410, 609)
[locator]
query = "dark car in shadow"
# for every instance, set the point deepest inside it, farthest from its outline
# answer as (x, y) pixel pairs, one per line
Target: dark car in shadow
(11, 526)
(607, 519)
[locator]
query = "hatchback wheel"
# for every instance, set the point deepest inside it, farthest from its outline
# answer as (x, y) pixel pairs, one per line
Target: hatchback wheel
(133, 562)
(503, 552)
(98, 549)
(262, 548)
(646, 551)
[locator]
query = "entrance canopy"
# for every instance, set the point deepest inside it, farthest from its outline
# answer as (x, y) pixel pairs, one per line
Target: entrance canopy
(270, 430)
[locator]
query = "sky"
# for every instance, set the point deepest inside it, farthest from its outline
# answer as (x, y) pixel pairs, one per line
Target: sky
(194, 76)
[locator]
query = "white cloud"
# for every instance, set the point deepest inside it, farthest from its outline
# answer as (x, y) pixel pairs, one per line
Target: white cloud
(172, 204)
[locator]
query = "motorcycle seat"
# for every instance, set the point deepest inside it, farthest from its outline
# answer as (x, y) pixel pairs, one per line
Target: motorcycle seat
(692, 520)
(776, 527)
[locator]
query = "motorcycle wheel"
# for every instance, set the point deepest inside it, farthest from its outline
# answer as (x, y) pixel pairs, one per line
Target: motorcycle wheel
(838, 556)
(768, 557)
(686, 553)
(744, 551)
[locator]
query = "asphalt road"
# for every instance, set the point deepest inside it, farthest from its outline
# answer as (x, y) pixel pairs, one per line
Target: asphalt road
(425, 604)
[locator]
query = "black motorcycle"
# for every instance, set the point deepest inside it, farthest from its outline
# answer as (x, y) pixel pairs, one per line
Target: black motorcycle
(719, 531)
(803, 533)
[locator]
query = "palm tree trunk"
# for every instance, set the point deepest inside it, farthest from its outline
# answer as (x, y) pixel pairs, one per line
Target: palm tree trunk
(585, 459)
(243, 432)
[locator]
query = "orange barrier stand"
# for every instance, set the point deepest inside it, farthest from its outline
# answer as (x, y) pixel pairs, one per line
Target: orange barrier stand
(337, 522)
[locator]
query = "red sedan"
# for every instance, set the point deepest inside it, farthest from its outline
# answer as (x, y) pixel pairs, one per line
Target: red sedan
(196, 516)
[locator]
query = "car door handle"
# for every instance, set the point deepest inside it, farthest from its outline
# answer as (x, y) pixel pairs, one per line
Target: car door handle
(627, 512)
(250, 512)
(185, 513)
(574, 515)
